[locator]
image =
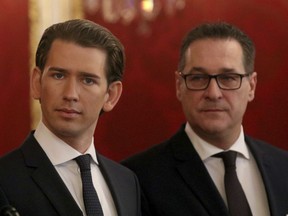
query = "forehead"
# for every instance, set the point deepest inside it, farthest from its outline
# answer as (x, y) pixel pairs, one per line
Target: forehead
(228, 45)
(215, 53)
(72, 56)
(64, 45)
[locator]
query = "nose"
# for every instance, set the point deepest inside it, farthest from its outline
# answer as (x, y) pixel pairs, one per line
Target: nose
(213, 91)
(71, 90)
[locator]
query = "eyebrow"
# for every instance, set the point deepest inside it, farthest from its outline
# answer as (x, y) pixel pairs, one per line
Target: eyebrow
(82, 73)
(57, 69)
(203, 70)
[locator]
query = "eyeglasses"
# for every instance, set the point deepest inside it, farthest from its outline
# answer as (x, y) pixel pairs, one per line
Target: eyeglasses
(225, 81)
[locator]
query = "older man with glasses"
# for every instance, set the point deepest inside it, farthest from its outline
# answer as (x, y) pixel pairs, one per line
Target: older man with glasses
(210, 166)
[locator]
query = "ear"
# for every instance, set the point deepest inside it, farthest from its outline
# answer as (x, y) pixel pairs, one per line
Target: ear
(253, 83)
(113, 94)
(35, 84)
(178, 85)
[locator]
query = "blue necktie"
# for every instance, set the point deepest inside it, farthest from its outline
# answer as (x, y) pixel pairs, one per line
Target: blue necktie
(237, 202)
(91, 200)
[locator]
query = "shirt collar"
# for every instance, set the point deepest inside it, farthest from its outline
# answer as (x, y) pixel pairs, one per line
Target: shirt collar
(206, 150)
(56, 149)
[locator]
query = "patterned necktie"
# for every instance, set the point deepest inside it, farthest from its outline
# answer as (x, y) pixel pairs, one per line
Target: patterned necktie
(237, 202)
(91, 200)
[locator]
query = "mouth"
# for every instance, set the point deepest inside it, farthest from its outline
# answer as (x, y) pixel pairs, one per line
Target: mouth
(68, 113)
(212, 110)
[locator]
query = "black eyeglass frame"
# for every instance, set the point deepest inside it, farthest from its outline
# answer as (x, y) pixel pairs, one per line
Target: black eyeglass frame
(241, 76)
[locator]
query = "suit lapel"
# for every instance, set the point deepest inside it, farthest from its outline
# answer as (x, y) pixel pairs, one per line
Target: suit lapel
(269, 174)
(48, 180)
(111, 175)
(195, 175)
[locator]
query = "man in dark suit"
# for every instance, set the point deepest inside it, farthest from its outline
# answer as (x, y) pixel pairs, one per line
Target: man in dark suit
(78, 73)
(185, 175)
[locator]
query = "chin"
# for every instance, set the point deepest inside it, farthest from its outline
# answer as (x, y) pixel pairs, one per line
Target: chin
(214, 128)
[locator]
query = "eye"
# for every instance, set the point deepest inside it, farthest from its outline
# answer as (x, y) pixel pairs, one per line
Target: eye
(229, 77)
(58, 76)
(196, 77)
(88, 81)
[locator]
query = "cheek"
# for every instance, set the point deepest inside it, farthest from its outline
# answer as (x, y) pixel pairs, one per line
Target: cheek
(93, 102)
(239, 103)
(190, 103)
(49, 94)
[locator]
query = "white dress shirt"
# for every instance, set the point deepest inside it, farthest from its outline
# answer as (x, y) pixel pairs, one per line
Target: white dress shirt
(247, 170)
(61, 156)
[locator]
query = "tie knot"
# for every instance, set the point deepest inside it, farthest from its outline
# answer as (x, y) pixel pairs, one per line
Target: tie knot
(228, 157)
(83, 162)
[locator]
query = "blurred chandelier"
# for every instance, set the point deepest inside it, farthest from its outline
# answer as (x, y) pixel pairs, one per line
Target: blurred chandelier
(126, 11)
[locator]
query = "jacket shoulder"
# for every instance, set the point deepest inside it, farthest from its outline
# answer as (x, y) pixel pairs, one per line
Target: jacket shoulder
(259, 146)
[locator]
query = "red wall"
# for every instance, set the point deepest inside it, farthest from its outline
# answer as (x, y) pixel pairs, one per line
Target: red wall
(148, 111)
(14, 73)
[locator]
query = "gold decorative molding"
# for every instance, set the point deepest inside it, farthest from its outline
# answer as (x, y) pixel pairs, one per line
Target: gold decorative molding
(42, 14)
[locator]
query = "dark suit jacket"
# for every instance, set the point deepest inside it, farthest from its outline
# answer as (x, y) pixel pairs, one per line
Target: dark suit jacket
(175, 181)
(33, 186)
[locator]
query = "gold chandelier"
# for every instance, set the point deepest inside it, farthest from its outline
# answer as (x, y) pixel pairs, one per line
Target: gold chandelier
(126, 11)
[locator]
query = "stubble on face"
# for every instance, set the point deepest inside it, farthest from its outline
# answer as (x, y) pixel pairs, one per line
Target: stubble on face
(214, 114)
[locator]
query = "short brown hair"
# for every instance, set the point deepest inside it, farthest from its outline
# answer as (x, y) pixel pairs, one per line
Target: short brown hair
(220, 30)
(87, 34)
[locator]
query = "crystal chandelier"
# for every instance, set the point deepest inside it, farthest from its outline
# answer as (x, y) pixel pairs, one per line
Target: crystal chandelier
(126, 11)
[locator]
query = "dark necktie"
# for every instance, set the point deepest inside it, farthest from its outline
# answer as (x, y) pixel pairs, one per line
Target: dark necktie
(237, 202)
(91, 200)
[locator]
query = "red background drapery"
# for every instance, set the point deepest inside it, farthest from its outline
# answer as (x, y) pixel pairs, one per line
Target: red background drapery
(148, 111)
(14, 74)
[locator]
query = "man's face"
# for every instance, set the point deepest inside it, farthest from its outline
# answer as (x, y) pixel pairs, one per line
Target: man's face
(215, 114)
(73, 90)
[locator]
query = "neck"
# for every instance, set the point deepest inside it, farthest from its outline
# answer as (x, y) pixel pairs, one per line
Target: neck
(78, 144)
(220, 140)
